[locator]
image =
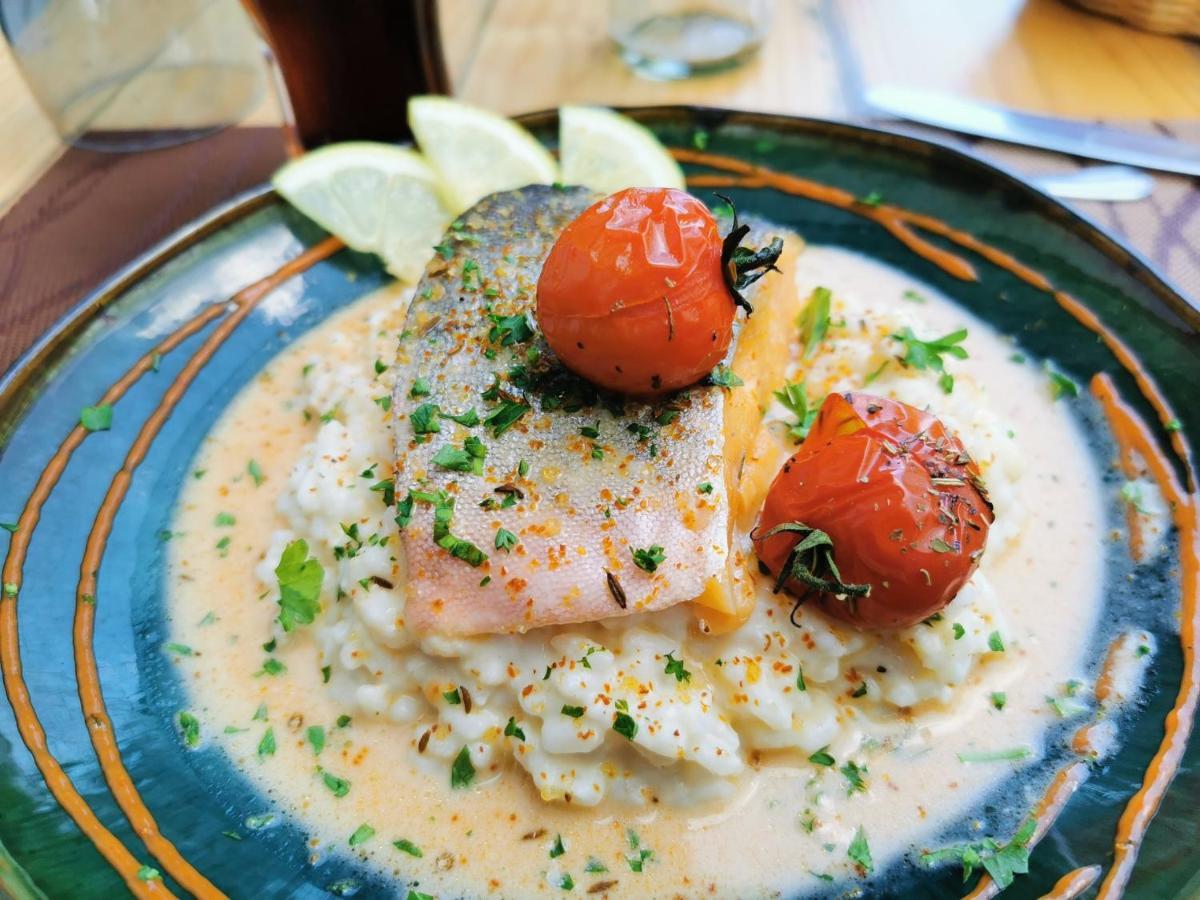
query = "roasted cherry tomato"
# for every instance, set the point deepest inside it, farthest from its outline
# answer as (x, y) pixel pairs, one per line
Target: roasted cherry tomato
(879, 518)
(633, 295)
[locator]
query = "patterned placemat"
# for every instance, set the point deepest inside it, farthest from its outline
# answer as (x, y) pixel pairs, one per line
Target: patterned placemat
(93, 212)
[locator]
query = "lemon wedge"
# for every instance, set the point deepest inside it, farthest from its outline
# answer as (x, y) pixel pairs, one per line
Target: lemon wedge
(375, 197)
(476, 152)
(608, 152)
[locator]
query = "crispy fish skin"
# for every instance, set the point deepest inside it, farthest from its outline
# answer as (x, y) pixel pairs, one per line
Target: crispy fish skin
(581, 479)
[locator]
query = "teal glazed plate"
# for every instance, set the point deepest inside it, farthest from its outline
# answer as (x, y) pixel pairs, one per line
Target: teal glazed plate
(96, 787)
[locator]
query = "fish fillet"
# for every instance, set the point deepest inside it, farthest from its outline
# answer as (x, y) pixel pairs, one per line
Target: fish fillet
(527, 491)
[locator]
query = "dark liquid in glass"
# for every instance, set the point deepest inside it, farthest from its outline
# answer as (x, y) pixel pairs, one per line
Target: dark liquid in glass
(350, 65)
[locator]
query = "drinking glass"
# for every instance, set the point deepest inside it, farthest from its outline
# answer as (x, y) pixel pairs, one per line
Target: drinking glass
(136, 74)
(667, 40)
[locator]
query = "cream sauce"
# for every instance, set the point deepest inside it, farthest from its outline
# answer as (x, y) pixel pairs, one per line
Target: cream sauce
(497, 837)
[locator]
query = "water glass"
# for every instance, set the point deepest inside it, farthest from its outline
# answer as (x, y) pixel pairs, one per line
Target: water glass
(667, 40)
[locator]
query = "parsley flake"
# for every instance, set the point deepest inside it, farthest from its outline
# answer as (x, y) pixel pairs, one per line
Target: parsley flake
(362, 834)
(505, 540)
(406, 846)
(189, 727)
(675, 667)
(299, 577)
(919, 354)
(462, 772)
(859, 851)
(96, 418)
(814, 321)
(650, 558)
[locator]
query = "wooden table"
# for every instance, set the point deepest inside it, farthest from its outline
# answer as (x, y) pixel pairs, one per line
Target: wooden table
(1035, 55)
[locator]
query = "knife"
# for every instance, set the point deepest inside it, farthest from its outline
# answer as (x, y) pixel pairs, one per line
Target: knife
(1046, 132)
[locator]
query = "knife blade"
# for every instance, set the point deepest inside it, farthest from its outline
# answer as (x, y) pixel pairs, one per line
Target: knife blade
(1046, 132)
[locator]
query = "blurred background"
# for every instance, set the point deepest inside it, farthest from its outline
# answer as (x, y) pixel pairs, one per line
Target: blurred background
(144, 115)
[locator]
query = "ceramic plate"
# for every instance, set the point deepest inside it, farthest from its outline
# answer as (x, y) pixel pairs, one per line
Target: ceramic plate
(168, 348)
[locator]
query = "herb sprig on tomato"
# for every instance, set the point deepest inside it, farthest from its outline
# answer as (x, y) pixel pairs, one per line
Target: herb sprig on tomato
(879, 518)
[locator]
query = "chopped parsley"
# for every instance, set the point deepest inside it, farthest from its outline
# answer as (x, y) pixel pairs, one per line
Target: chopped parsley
(995, 642)
(505, 416)
(650, 558)
(505, 540)
(800, 685)
(254, 470)
(340, 787)
(424, 419)
(1174, 425)
(299, 577)
(986, 756)
(859, 851)
(1131, 493)
(180, 649)
(623, 723)
(873, 198)
(445, 251)
(637, 861)
(1067, 707)
(814, 321)
(566, 882)
(509, 330)
(512, 729)
(271, 666)
(705, 487)
(999, 699)
(959, 631)
(343, 721)
(919, 354)
(266, 747)
(149, 873)
(700, 139)
(443, 514)
(223, 545)
(362, 834)
(454, 698)
(260, 820)
(575, 712)
(96, 418)
(1060, 385)
(189, 727)
(406, 846)
(822, 758)
(913, 296)
(384, 402)
(1001, 861)
(725, 377)
(420, 388)
(469, 459)
(10, 527)
(462, 772)
(380, 367)
(316, 737)
(557, 849)
(594, 866)
(795, 398)
(224, 520)
(260, 714)
(853, 774)
(675, 667)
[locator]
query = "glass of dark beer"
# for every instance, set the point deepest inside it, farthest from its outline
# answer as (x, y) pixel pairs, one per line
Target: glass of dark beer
(348, 68)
